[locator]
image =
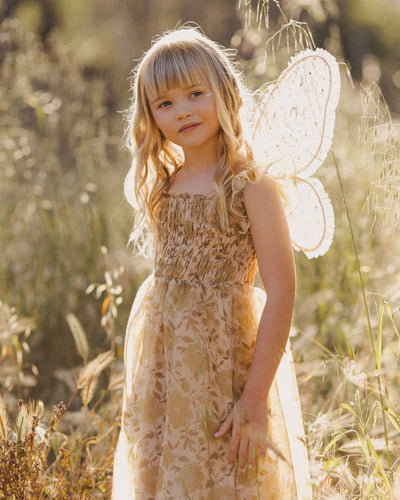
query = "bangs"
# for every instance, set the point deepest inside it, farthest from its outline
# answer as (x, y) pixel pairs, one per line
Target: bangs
(172, 68)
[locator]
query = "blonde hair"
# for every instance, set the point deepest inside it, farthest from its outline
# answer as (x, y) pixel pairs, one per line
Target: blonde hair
(182, 57)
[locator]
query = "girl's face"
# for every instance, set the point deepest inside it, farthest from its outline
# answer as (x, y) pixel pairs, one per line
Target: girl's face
(187, 116)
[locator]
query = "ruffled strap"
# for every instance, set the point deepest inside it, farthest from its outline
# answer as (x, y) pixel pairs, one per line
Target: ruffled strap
(239, 182)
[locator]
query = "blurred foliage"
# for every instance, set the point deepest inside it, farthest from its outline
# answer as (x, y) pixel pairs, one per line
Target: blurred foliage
(364, 33)
(66, 453)
(14, 338)
(106, 37)
(57, 142)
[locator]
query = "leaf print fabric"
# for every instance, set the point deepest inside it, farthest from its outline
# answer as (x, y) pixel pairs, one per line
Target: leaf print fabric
(189, 345)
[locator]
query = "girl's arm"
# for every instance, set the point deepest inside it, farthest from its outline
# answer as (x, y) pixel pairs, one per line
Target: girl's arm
(273, 246)
(268, 225)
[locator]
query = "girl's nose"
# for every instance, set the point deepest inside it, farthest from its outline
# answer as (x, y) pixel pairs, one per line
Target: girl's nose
(183, 112)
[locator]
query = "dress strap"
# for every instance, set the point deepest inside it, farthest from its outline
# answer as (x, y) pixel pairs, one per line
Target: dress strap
(239, 182)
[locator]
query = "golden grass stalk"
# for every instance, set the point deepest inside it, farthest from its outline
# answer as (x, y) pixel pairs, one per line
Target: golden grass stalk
(28, 417)
(367, 313)
(89, 375)
(3, 420)
(79, 335)
(380, 137)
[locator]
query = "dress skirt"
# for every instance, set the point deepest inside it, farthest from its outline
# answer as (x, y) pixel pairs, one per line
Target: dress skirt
(188, 351)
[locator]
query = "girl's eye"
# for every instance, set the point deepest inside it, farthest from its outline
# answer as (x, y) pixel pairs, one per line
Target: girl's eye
(196, 93)
(164, 104)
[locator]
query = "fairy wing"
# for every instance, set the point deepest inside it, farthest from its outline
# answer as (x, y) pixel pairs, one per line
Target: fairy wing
(293, 135)
(309, 214)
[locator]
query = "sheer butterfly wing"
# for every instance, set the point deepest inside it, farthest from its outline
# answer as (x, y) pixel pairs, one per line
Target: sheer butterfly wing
(293, 135)
(309, 214)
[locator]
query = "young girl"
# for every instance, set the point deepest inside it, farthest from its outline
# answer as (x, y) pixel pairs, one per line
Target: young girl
(206, 412)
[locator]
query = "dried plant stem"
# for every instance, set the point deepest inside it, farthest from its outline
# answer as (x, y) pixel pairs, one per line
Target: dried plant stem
(297, 29)
(371, 335)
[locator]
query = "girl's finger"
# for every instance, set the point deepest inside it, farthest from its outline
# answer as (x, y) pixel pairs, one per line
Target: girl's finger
(263, 450)
(225, 426)
(243, 452)
(252, 454)
(235, 440)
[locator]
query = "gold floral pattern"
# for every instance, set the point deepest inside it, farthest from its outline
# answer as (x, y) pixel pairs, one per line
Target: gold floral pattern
(188, 349)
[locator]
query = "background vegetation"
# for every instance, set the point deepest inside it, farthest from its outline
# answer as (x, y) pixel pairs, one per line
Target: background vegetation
(67, 279)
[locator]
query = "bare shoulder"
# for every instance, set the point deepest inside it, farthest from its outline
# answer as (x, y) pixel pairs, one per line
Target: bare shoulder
(263, 196)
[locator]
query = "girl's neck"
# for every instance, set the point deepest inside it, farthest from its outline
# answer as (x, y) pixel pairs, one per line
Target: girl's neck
(200, 165)
(201, 159)
(197, 163)
(195, 176)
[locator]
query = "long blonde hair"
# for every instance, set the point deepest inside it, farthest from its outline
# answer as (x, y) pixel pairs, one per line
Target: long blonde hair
(182, 57)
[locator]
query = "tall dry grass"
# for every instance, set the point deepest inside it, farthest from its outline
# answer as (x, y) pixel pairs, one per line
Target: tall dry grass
(66, 453)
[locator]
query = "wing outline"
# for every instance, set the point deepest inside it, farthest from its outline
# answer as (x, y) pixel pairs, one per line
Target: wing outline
(292, 137)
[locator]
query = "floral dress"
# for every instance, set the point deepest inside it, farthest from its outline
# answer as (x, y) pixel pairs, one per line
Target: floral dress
(189, 345)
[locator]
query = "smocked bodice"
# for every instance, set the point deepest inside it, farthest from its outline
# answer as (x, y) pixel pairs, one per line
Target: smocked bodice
(191, 246)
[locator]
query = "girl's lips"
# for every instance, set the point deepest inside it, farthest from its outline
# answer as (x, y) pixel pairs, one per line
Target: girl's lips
(188, 127)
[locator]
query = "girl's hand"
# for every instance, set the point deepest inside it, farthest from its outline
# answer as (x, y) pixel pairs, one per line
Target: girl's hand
(249, 422)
